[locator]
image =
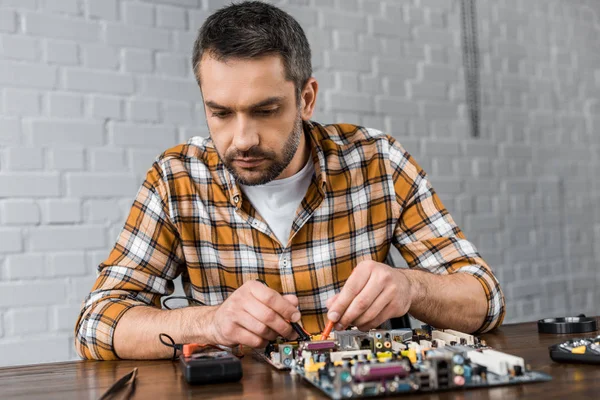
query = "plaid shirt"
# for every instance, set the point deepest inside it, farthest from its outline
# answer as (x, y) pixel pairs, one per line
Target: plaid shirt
(189, 218)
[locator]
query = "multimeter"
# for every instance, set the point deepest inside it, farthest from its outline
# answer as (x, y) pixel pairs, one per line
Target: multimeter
(211, 367)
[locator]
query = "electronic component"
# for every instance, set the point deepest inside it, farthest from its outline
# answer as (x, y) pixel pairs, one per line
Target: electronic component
(211, 367)
(388, 362)
(582, 350)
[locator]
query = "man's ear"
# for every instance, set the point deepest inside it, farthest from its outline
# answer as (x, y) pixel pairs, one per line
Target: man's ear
(308, 99)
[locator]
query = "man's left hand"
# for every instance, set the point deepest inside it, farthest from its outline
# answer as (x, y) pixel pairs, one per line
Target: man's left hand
(373, 293)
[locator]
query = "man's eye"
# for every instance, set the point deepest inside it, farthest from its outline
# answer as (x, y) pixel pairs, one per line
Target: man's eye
(266, 112)
(220, 114)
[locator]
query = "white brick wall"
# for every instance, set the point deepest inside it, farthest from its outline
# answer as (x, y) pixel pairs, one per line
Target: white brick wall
(92, 90)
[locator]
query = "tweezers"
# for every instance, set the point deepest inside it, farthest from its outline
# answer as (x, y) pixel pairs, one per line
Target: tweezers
(120, 384)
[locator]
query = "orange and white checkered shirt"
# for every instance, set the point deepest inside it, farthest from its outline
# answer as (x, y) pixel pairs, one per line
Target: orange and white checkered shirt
(190, 219)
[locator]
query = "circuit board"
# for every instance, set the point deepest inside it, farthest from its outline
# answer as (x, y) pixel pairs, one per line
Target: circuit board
(351, 364)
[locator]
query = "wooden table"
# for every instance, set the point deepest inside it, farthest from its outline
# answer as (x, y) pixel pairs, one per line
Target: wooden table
(162, 379)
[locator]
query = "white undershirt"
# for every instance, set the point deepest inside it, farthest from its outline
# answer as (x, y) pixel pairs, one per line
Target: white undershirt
(278, 200)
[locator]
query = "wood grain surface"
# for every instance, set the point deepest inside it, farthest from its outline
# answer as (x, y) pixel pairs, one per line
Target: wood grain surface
(163, 379)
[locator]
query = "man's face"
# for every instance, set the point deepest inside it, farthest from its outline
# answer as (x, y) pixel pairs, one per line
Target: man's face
(252, 115)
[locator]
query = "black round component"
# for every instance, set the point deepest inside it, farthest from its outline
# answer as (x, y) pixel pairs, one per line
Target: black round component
(580, 324)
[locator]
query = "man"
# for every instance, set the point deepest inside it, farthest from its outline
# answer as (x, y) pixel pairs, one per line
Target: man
(311, 210)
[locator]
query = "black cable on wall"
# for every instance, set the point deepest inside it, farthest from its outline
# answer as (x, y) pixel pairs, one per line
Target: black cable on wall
(471, 62)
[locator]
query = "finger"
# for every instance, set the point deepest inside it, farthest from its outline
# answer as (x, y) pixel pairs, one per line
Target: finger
(253, 325)
(292, 299)
(362, 302)
(378, 308)
(250, 339)
(268, 316)
(275, 302)
(331, 300)
(351, 289)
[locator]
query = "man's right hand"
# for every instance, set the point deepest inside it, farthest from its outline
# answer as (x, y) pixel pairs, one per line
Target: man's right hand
(253, 315)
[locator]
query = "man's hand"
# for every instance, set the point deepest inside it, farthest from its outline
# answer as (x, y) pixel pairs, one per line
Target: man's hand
(373, 293)
(253, 315)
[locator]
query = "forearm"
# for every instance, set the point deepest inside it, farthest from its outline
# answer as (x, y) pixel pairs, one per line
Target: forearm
(136, 334)
(455, 301)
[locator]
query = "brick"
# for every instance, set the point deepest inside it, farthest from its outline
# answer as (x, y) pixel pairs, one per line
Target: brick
(66, 264)
(27, 75)
(136, 60)
(144, 110)
(481, 149)
(172, 65)
(29, 184)
(184, 3)
(20, 212)
(304, 15)
(350, 102)
(433, 110)
(438, 37)
(342, 20)
(347, 61)
(382, 26)
(62, 6)
(60, 238)
(347, 81)
(19, 47)
(139, 14)
(66, 159)
(141, 160)
(44, 350)
(65, 105)
(196, 18)
(54, 132)
(63, 317)
(22, 102)
(10, 131)
(97, 56)
(482, 223)
(95, 81)
(516, 150)
(25, 266)
(438, 73)
(392, 67)
(172, 89)
(100, 185)
(520, 186)
(143, 136)
(24, 159)
(104, 210)
(171, 17)
(184, 41)
(107, 107)
(177, 113)
(26, 321)
(11, 241)
(145, 38)
(20, 4)
(59, 27)
(428, 90)
(437, 147)
(8, 21)
(108, 159)
(61, 211)
(61, 52)
(103, 9)
(396, 106)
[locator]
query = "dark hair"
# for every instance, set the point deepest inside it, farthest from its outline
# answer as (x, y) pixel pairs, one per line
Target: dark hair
(252, 29)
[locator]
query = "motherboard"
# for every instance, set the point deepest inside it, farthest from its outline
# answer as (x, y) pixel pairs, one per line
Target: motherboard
(351, 363)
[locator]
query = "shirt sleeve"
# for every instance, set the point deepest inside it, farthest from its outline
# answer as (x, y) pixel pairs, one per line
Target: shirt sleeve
(429, 239)
(141, 267)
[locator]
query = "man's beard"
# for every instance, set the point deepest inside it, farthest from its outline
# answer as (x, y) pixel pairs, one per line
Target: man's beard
(274, 164)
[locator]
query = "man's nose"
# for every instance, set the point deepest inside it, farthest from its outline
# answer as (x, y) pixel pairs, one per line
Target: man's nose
(246, 134)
